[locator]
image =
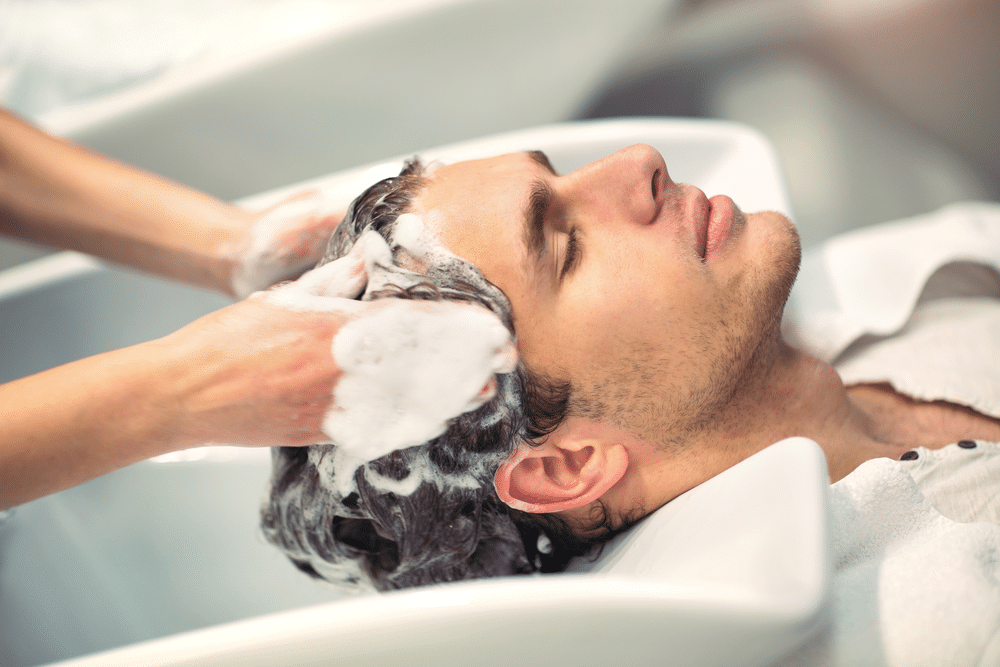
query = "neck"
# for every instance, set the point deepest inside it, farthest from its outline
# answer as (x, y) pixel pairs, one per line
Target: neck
(804, 396)
(796, 394)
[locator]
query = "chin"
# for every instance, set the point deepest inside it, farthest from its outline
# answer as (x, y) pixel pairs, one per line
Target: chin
(779, 255)
(778, 238)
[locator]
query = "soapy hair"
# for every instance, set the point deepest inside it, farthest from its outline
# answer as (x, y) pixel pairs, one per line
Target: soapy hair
(453, 526)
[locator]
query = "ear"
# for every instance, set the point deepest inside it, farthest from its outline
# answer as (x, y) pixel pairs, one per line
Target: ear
(562, 473)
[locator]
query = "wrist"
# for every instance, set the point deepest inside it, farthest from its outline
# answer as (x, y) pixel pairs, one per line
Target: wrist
(281, 242)
(179, 369)
(224, 250)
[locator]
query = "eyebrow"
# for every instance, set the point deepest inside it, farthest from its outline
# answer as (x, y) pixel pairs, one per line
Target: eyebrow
(539, 200)
(542, 159)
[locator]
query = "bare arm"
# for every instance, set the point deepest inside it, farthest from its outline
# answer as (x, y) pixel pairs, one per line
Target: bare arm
(261, 372)
(59, 194)
(252, 374)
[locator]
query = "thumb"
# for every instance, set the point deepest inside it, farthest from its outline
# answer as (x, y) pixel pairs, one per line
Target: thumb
(333, 286)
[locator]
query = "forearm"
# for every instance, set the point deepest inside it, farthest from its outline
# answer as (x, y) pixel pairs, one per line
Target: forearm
(56, 193)
(79, 421)
(251, 374)
(260, 372)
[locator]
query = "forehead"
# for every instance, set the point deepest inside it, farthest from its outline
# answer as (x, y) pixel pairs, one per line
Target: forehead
(477, 210)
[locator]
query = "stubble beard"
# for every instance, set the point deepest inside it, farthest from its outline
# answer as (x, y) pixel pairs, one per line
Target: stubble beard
(714, 392)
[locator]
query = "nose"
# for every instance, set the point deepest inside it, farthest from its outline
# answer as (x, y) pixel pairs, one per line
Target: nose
(629, 185)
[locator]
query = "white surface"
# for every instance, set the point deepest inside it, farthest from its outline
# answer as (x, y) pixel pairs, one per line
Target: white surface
(396, 78)
(63, 51)
(172, 545)
(717, 156)
(910, 586)
(736, 573)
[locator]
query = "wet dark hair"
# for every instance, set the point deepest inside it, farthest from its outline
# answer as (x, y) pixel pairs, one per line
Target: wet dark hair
(453, 527)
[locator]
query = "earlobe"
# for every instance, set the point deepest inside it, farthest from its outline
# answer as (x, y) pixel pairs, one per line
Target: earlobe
(559, 474)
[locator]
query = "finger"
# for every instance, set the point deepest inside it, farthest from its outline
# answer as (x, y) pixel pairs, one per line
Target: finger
(268, 258)
(410, 367)
(374, 250)
(506, 358)
(345, 278)
(335, 286)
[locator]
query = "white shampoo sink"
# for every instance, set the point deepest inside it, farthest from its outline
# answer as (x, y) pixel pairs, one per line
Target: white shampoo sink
(172, 546)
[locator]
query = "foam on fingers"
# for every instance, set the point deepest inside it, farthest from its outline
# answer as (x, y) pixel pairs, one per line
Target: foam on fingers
(266, 260)
(332, 287)
(410, 367)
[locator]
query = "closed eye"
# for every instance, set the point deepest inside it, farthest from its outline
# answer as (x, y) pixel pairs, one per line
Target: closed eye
(572, 254)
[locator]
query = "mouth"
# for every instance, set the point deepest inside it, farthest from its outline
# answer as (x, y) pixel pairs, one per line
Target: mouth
(720, 225)
(713, 224)
(701, 214)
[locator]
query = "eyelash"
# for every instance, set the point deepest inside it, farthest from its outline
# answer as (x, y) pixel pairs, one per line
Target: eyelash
(572, 253)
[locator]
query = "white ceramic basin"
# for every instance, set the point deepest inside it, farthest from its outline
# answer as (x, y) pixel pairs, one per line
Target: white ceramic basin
(732, 573)
(171, 545)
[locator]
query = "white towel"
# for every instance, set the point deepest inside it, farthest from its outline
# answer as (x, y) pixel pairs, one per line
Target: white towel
(910, 587)
(870, 280)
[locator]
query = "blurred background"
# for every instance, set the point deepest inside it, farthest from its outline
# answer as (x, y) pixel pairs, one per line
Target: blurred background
(878, 109)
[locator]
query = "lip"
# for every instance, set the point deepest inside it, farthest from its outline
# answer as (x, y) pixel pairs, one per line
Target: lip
(701, 211)
(712, 221)
(718, 225)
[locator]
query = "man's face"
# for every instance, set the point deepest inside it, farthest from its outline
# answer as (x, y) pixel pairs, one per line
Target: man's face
(657, 305)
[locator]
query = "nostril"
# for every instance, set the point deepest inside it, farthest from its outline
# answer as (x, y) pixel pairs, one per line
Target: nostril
(656, 183)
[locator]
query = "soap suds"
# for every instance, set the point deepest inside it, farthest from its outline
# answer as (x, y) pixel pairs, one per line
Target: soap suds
(337, 468)
(266, 261)
(408, 369)
(333, 287)
(432, 167)
(412, 235)
(408, 366)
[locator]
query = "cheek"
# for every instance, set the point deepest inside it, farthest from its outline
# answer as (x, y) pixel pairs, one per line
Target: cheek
(599, 321)
(632, 302)
(588, 325)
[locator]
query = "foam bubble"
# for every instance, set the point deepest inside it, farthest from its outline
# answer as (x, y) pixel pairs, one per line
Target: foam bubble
(432, 167)
(413, 236)
(423, 471)
(335, 286)
(266, 261)
(408, 369)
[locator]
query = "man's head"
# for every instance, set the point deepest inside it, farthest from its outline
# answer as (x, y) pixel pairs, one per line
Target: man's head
(659, 308)
(645, 315)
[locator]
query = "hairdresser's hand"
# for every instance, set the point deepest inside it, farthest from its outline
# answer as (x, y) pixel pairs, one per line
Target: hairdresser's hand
(266, 371)
(280, 242)
(406, 367)
(254, 373)
(306, 362)
(261, 372)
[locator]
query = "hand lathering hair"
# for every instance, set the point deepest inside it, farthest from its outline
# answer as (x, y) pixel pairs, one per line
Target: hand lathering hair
(453, 526)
